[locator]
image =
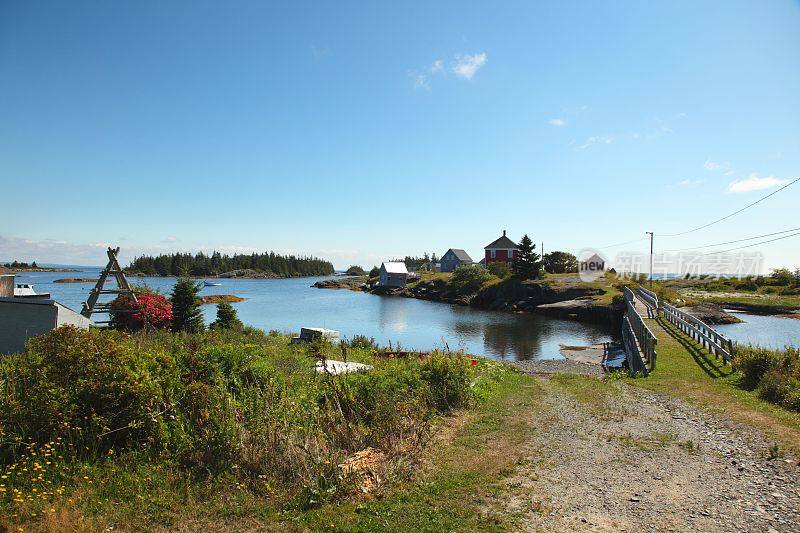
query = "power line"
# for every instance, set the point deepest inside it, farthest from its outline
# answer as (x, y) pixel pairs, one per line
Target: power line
(731, 242)
(732, 214)
(754, 244)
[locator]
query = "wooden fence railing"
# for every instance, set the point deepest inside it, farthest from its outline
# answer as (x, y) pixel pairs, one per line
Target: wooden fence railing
(712, 340)
(645, 338)
(632, 354)
(650, 299)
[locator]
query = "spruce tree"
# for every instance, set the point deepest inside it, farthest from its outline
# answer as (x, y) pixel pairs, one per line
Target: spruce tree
(226, 317)
(526, 263)
(186, 313)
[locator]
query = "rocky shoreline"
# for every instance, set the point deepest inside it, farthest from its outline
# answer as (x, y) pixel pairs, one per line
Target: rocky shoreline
(567, 301)
(219, 298)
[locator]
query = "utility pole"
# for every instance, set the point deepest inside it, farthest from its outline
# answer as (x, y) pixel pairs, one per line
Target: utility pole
(651, 258)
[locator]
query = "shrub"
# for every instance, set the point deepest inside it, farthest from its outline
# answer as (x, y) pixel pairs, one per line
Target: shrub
(753, 362)
(92, 383)
(150, 309)
(374, 272)
(501, 270)
(362, 341)
(226, 317)
(470, 278)
(448, 379)
(235, 403)
(781, 385)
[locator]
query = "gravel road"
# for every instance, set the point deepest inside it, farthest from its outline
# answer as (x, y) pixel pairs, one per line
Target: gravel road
(635, 460)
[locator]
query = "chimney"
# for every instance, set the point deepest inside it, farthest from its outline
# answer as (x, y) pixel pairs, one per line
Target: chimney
(504, 233)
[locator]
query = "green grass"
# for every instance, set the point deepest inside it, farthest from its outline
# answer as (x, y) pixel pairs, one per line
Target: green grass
(460, 477)
(463, 469)
(687, 370)
(162, 429)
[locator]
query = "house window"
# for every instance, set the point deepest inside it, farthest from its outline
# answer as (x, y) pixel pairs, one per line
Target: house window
(511, 254)
(494, 253)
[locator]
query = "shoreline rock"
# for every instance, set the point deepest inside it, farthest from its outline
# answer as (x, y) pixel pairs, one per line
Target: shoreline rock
(76, 280)
(219, 298)
(711, 313)
(566, 301)
(353, 283)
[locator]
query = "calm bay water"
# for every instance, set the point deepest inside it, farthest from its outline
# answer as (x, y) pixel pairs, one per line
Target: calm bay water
(287, 304)
(767, 331)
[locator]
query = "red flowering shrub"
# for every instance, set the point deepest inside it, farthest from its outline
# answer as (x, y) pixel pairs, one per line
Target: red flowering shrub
(150, 310)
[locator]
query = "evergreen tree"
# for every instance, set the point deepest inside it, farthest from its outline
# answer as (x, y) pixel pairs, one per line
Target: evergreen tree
(375, 272)
(186, 314)
(526, 263)
(226, 317)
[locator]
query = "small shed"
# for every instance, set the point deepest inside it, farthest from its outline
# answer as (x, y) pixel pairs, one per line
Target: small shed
(454, 258)
(393, 274)
(22, 318)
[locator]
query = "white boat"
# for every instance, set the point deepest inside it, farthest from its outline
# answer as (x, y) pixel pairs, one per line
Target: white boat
(25, 290)
(211, 284)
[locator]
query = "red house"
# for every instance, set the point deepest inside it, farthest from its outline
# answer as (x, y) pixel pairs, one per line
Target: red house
(503, 250)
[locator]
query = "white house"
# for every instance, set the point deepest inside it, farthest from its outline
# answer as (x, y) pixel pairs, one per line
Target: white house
(393, 274)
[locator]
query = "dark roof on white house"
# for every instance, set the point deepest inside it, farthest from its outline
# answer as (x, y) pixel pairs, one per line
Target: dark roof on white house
(460, 254)
(501, 243)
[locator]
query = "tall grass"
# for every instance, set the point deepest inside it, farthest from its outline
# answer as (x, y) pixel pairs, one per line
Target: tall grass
(239, 405)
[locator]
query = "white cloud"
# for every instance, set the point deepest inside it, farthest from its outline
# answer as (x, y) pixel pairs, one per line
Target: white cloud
(422, 80)
(467, 65)
(52, 251)
(560, 122)
(596, 139)
(712, 165)
(690, 183)
(754, 183)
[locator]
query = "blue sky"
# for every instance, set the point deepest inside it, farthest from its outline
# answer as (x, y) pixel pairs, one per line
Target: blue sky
(358, 132)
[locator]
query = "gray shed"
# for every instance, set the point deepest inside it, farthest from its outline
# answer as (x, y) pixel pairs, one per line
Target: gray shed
(22, 318)
(454, 258)
(393, 274)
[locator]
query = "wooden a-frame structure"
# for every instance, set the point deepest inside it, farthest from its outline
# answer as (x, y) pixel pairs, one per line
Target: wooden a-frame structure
(92, 305)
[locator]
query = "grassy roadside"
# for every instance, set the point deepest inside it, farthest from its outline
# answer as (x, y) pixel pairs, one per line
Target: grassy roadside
(463, 470)
(686, 370)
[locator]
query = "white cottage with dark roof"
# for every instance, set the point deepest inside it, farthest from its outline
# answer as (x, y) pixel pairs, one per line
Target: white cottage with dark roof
(454, 258)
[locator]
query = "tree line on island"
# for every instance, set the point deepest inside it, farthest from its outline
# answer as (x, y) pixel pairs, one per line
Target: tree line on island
(200, 264)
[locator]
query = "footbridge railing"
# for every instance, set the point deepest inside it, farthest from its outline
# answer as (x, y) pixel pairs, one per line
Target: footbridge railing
(640, 343)
(712, 340)
(650, 299)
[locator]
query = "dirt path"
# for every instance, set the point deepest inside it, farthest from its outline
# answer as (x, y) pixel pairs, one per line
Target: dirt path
(619, 458)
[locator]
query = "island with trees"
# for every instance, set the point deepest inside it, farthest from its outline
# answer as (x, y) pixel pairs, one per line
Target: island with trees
(255, 265)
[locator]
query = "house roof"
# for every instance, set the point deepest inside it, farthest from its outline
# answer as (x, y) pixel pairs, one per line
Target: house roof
(395, 267)
(501, 243)
(460, 254)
